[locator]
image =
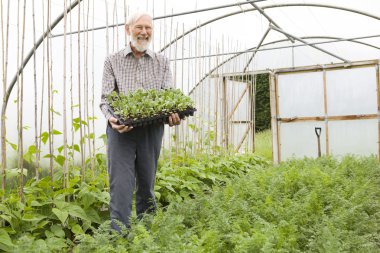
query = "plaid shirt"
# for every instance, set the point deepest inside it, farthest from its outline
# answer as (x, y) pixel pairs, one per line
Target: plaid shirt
(125, 73)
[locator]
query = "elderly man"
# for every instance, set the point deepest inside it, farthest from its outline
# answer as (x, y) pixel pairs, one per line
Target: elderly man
(133, 152)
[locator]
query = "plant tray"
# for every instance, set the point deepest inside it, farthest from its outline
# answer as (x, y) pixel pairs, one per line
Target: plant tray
(162, 118)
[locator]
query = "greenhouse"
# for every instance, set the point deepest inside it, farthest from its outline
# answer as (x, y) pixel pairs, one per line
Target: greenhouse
(277, 149)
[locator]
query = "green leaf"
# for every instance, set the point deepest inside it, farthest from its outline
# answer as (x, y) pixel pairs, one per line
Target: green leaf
(61, 214)
(79, 121)
(76, 126)
(55, 112)
(56, 132)
(76, 148)
(57, 231)
(32, 149)
(93, 215)
(33, 217)
(40, 245)
(14, 146)
(6, 243)
(60, 159)
(44, 137)
(15, 172)
(76, 211)
(56, 244)
(60, 149)
(76, 229)
(104, 138)
(35, 203)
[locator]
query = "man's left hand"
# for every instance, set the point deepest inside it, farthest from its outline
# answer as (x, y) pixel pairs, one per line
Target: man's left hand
(174, 119)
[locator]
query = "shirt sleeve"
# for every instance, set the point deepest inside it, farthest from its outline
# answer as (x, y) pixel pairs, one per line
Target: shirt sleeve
(108, 85)
(168, 77)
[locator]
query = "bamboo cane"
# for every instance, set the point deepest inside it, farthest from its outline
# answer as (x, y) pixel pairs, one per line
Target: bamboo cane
(107, 32)
(83, 169)
(93, 90)
(65, 164)
(86, 95)
(72, 97)
(50, 104)
(42, 82)
(35, 97)
(3, 119)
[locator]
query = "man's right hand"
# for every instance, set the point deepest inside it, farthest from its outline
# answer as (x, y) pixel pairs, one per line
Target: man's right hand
(117, 127)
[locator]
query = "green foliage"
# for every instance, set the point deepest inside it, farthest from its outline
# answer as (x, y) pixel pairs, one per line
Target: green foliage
(262, 110)
(208, 203)
(185, 176)
(148, 103)
(306, 205)
(50, 215)
(51, 212)
(263, 144)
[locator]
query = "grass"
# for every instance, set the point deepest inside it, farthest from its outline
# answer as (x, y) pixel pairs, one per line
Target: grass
(263, 144)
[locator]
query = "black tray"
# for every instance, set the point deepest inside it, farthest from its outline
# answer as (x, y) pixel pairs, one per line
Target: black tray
(163, 118)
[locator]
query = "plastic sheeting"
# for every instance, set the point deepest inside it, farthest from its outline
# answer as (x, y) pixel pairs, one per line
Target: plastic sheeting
(349, 92)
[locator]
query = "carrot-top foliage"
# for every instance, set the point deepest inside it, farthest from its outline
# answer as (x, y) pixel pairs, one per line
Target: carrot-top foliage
(321, 205)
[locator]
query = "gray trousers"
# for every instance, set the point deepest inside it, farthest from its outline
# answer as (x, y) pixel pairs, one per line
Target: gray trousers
(132, 161)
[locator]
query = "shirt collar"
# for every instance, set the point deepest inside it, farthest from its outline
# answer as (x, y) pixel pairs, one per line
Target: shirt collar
(128, 50)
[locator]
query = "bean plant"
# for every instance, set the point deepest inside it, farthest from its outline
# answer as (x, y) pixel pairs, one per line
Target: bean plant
(142, 104)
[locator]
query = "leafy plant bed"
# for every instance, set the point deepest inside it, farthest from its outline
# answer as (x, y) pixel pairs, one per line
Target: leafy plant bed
(155, 119)
(321, 205)
(145, 107)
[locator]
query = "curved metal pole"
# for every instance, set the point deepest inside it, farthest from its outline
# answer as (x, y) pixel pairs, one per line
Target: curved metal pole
(334, 39)
(304, 42)
(269, 7)
(257, 48)
(162, 17)
(31, 53)
(279, 41)
(203, 24)
(271, 21)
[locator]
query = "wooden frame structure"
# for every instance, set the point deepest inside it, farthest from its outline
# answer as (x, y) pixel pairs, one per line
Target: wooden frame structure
(276, 120)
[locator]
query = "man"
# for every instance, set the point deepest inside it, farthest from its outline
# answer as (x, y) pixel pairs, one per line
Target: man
(133, 152)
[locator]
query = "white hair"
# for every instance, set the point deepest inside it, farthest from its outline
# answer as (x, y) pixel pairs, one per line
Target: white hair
(136, 16)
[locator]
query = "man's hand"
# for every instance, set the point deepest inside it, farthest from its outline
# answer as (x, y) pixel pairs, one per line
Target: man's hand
(174, 119)
(117, 127)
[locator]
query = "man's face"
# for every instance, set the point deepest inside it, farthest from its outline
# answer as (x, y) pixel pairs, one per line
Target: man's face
(141, 33)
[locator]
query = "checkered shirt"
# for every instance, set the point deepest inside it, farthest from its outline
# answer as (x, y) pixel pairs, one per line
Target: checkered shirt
(124, 73)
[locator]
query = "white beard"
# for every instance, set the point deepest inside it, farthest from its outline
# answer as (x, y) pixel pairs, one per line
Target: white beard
(140, 44)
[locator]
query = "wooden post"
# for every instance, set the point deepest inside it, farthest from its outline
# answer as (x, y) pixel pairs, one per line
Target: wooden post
(378, 107)
(252, 106)
(274, 123)
(225, 117)
(326, 113)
